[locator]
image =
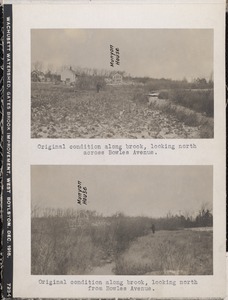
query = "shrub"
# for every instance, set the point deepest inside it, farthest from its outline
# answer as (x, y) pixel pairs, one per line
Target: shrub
(140, 97)
(163, 95)
(179, 253)
(200, 101)
(56, 250)
(70, 243)
(90, 82)
(207, 130)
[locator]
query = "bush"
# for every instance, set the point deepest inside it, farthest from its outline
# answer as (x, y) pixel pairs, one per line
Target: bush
(199, 101)
(70, 243)
(90, 82)
(163, 95)
(58, 250)
(140, 97)
(180, 253)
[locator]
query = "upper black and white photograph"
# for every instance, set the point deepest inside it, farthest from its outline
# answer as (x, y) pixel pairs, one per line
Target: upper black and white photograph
(122, 83)
(121, 220)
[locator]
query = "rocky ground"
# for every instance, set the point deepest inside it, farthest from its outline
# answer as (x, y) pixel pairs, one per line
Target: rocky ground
(63, 112)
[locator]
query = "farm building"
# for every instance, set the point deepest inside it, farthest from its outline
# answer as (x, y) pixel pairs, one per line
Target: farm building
(117, 78)
(69, 76)
(37, 76)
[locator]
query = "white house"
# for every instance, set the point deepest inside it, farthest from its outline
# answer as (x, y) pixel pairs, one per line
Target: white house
(69, 76)
(117, 78)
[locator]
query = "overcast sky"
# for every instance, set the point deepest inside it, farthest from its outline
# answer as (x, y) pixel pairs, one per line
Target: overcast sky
(134, 190)
(157, 53)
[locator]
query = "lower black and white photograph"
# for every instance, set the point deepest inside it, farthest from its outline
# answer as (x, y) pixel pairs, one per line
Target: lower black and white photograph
(121, 220)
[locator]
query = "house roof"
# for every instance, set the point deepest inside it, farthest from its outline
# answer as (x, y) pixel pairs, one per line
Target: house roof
(71, 70)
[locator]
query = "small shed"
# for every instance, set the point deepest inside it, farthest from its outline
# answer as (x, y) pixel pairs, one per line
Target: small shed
(153, 97)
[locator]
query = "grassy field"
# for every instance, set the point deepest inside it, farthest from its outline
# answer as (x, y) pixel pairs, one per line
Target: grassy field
(59, 111)
(117, 245)
(180, 252)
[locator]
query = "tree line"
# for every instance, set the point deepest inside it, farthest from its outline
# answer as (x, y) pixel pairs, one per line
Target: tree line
(202, 218)
(151, 83)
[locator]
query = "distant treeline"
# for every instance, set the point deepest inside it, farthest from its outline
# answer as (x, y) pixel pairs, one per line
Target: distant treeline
(204, 218)
(88, 74)
(167, 84)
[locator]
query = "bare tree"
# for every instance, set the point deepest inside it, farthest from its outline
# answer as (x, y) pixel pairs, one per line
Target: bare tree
(50, 68)
(37, 66)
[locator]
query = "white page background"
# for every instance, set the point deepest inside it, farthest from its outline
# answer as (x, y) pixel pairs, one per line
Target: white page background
(25, 152)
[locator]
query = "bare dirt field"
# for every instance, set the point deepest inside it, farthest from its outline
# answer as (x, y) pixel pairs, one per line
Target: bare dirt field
(60, 111)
